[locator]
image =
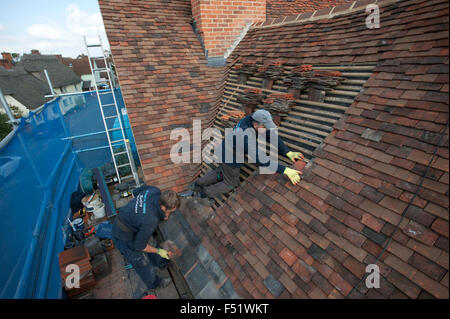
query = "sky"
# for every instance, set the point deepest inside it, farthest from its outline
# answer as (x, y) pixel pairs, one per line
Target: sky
(50, 26)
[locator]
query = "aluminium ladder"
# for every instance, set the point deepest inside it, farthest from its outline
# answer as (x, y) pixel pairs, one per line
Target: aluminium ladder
(121, 144)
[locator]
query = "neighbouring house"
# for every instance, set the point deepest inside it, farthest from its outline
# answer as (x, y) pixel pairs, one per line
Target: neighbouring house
(22, 91)
(63, 79)
(367, 106)
(80, 66)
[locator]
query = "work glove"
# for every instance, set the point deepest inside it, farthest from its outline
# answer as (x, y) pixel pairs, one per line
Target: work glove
(293, 175)
(293, 156)
(163, 253)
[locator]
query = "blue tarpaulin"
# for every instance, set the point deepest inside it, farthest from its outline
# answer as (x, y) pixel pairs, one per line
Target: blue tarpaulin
(39, 169)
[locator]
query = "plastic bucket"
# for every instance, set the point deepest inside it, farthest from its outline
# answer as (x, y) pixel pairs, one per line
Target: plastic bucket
(99, 212)
(78, 223)
(93, 204)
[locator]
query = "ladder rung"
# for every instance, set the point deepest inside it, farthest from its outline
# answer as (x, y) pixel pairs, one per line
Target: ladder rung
(104, 92)
(113, 129)
(120, 153)
(128, 176)
(102, 81)
(100, 69)
(118, 141)
(123, 165)
(110, 117)
(93, 45)
(103, 105)
(97, 57)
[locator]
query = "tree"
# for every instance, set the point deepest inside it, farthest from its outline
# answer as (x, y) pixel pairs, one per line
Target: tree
(16, 57)
(5, 127)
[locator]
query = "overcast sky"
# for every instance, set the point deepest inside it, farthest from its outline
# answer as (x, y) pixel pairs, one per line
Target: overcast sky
(50, 26)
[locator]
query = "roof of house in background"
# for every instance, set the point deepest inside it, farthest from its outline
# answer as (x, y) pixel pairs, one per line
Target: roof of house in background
(60, 75)
(315, 240)
(283, 8)
(24, 87)
(80, 66)
(164, 79)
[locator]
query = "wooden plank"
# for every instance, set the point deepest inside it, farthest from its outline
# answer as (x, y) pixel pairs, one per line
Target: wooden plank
(300, 133)
(300, 140)
(338, 68)
(322, 105)
(313, 117)
(343, 92)
(298, 148)
(304, 128)
(356, 82)
(315, 111)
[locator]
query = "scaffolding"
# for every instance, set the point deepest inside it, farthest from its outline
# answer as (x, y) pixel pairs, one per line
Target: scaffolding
(41, 161)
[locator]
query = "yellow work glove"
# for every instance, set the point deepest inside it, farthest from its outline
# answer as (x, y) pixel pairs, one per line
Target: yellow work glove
(295, 156)
(163, 253)
(293, 175)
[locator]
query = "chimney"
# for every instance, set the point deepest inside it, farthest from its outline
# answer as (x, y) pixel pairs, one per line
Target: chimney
(7, 61)
(221, 24)
(59, 58)
(36, 52)
(7, 56)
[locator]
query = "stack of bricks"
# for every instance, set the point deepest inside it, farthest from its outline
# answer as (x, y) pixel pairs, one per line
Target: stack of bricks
(69, 260)
(221, 22)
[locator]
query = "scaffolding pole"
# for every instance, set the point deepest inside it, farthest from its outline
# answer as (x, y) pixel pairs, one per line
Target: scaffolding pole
(49, 82)
(9, 113)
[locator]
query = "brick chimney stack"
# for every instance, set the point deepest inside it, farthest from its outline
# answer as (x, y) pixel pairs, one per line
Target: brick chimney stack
(222, 23)
(7, 56)
(36, 52)
(7, 61)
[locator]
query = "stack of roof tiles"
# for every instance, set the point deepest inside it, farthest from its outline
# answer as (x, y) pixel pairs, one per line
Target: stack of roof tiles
(164, 79)
(357, 203)
(78, 256)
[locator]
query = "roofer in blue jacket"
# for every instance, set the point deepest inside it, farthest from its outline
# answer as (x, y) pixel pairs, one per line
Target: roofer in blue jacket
(134, 227)
(226, 177)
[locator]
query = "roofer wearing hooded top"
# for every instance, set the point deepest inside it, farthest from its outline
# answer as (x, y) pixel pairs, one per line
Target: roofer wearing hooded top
(226, 177)
(134, 227)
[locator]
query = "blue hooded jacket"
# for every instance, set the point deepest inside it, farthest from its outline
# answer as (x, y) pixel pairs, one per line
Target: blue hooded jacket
(247, 124)
(142, 215)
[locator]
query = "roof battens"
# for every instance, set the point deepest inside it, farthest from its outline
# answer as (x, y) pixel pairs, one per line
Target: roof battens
(305, 17)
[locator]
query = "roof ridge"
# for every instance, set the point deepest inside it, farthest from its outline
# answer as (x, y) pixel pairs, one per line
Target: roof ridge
(326, 13)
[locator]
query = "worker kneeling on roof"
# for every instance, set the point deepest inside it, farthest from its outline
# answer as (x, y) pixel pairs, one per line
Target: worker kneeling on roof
(134, 227)
(246, 136)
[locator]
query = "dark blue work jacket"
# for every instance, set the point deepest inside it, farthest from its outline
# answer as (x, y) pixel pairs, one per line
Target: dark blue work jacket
(141, 215)
(247, 124)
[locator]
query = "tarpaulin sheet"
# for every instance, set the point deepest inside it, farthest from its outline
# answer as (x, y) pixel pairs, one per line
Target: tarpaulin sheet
(39, 169)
